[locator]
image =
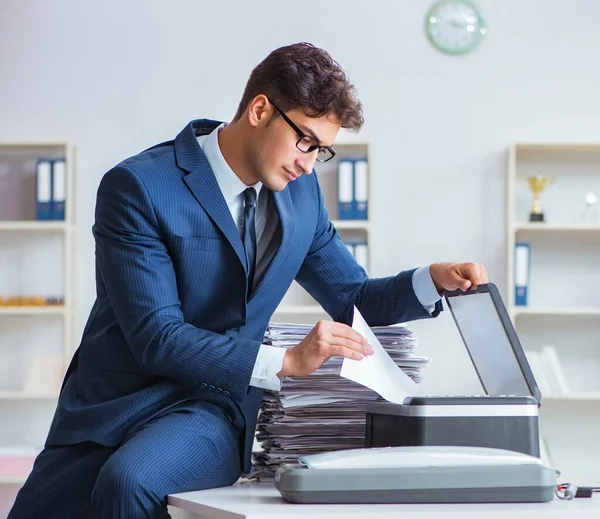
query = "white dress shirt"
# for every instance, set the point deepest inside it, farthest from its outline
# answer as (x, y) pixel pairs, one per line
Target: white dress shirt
(269, 360)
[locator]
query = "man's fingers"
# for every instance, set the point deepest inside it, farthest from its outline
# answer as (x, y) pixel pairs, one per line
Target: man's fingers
(365, 349)
(483, 274)
(346, 332)
(472, 274)
(349, 353)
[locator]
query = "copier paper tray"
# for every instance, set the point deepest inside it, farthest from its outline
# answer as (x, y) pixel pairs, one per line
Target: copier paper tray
(422, 474)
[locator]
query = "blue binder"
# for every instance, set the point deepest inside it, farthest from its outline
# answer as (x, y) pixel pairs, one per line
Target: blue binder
(361, 189)
(59, 189)
(43, 182)
(345, 189)
(521, 272)
(361, 253)
(359, 248)
(350, 247)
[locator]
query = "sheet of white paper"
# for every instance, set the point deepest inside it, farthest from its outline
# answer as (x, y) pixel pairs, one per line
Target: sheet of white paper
(378, 371)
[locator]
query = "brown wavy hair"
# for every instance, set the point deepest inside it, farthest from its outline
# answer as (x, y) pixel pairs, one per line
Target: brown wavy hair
(305, 77)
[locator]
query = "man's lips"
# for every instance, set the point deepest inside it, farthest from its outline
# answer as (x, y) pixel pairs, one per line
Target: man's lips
(292, 176)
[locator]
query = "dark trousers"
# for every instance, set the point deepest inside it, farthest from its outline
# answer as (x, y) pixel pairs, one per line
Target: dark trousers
(190, 448)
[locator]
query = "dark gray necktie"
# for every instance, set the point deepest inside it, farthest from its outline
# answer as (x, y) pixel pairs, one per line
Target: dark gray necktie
(250, 234)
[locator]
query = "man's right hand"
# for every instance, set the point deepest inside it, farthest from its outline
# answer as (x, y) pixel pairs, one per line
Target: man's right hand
(324, 341)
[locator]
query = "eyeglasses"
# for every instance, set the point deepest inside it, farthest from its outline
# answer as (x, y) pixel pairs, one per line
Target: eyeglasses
(307, 143)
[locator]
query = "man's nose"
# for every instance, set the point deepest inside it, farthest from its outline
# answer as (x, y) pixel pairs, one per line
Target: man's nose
(306, 163)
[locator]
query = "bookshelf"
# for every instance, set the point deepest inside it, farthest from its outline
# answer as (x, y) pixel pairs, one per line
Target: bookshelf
(28, 395)
(36, 303)
(297, 305)
(563, 301)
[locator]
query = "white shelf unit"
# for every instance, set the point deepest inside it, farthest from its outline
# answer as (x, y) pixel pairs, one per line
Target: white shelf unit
(28, 395)
(563, 298)
(298, 305)
(12, 481)
(36, 260)
(43, 226)
(33, 310)
(572, 397)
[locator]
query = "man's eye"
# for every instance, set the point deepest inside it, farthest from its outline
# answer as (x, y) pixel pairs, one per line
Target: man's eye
(307, 142)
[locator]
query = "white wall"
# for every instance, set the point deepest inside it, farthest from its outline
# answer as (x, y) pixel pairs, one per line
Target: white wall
(115, 77)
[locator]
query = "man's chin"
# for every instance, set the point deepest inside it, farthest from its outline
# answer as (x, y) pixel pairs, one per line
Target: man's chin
(278, 185)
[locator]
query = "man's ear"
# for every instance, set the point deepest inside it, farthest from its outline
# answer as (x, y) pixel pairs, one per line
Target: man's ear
(259, 111)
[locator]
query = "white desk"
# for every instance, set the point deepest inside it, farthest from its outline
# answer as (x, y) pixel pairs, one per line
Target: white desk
(262, 501)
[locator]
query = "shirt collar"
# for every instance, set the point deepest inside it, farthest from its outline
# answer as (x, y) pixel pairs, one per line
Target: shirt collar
(230, 184)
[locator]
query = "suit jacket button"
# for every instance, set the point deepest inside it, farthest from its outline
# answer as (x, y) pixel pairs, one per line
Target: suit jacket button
(204, 385)
(219, 390)
(211, 387)
(226, 393)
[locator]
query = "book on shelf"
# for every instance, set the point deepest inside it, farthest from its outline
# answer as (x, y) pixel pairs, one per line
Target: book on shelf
(345, 189)
(45, 374)
(32, 301)
(556, 374)
(353, 188)
(43, 189)
(51, 189)
(17, 461)
(59, 189)
(548, 371)
(359, 248)
(521, 272)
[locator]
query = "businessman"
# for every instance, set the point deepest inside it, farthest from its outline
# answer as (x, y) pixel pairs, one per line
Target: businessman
(197, 241)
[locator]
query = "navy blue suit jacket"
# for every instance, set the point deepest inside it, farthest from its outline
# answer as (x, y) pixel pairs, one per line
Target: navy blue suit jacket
(171, 321)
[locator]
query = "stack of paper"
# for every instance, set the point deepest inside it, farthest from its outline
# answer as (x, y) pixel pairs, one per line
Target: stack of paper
(321, 412)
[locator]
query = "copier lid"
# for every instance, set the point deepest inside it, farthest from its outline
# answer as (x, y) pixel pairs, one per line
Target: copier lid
(492, 342)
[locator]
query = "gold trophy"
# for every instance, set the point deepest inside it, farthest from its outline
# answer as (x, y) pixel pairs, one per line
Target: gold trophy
(537, 184)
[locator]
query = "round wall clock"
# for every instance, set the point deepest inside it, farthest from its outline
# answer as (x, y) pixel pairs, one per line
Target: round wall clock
(455, 26)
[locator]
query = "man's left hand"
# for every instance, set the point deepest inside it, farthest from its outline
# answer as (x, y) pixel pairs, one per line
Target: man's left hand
(453, 276)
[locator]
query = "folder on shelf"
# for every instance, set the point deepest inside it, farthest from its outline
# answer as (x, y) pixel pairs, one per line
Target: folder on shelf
(45, 374)
(345, 189)
(59, 189)
(554, 370)
(43, 180)
(521, 275)
(361, 253)
(361, 189)
(359, 248)
(534, 359)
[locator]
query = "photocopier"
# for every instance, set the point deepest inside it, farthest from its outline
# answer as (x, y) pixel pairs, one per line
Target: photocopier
(431, 449)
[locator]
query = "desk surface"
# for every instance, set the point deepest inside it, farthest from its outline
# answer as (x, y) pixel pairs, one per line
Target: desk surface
(262, 501)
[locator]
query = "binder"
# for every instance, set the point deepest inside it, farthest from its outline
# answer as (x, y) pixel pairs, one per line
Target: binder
(551, 362)
(43, 172)
(361, 189)
(359, 248)
(534, 359)
(345, 189)
(521, 274)
(361, 253)
(59, 189)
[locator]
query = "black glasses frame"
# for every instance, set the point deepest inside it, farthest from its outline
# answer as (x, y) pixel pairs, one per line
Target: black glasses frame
(302, 135)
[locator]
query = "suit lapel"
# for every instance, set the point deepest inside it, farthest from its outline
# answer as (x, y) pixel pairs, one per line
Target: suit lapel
(202, 182)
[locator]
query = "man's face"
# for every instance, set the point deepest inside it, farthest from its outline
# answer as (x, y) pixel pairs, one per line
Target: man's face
(273, 154)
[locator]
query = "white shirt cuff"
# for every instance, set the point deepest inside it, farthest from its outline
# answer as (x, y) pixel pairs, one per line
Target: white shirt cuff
(425, 289)
(269, 362)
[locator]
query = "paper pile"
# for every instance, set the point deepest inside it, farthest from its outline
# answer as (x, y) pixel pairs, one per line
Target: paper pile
(321, 412)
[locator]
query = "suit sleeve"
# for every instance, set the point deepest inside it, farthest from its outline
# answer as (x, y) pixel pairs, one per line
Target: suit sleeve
(334, 278)
(139, 277)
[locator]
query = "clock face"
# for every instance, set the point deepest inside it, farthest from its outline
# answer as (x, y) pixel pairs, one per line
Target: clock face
(455, 26)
